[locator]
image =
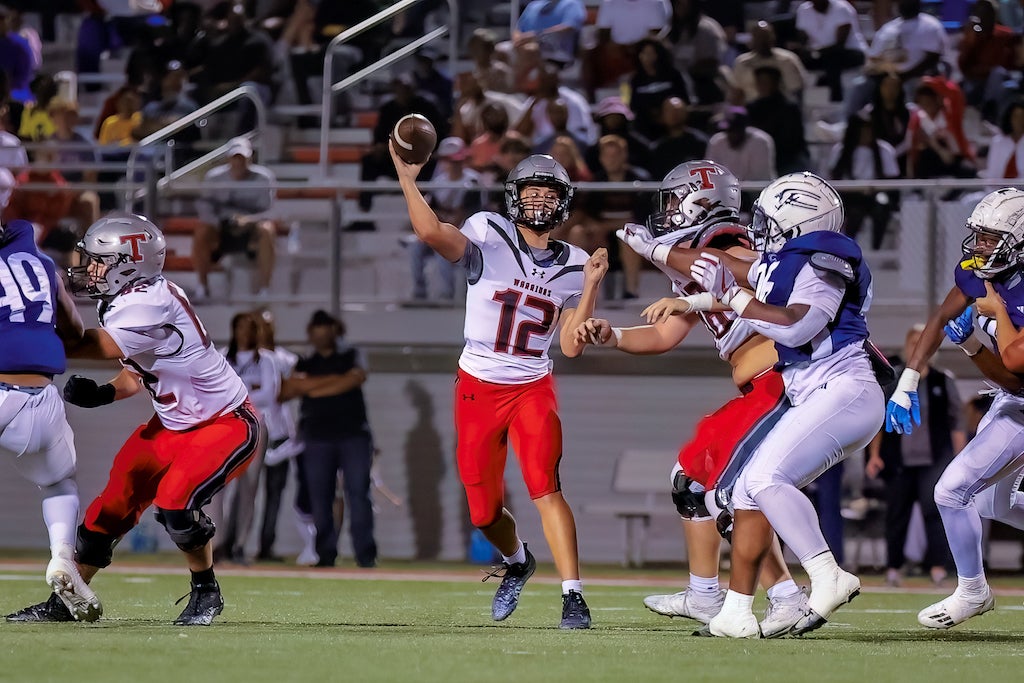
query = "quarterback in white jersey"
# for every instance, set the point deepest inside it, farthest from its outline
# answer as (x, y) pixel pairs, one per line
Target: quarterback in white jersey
(521, 283)
(205, 431)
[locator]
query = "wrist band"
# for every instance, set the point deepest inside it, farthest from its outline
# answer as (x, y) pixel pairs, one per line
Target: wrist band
(615, 338)
(737, 299)
(660, 254)
(972, 346)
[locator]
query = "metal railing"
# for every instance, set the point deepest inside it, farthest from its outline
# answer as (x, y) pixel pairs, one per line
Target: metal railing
(164, 135)
(330, 88)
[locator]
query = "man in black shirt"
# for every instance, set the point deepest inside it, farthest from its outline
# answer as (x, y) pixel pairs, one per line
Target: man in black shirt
(680, 143)
(780, 117)
(334, 429)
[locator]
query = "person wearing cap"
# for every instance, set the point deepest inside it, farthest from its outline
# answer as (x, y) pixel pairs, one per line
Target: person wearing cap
(746, 151)
(453, 206)
(613, 117)
(231, 218)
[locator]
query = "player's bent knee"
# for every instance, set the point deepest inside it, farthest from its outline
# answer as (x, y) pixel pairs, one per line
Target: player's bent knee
(94, 548)
(64, 487)
(688, 496)
(484, 519)
(189, 529)
(949, 494)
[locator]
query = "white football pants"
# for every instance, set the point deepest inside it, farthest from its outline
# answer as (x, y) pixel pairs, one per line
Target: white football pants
(36, 436)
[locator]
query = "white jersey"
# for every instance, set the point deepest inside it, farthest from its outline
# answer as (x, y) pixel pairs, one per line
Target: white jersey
(163, 341)
(514, 300)
(728, 329)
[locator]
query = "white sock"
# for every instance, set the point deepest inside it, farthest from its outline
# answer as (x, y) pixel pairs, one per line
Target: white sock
(738, 603)
(821, 566)
(60, 513)
(572, 585)
(519, 556)
(704, 586)
(973, 586)
(783, 589)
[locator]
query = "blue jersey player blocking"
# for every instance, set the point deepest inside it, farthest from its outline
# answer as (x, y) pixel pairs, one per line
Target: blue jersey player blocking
(808, 291)
(983, 480)
(36, 313)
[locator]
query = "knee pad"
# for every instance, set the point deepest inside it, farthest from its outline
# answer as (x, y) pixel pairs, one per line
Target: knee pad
(94, 548)
(688, 495)
(189, 529)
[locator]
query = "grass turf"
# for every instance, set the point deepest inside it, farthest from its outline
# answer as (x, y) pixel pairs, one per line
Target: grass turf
(309, 629)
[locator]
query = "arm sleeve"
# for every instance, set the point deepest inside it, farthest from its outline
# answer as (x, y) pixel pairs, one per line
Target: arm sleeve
(818, 289)
(797, 334)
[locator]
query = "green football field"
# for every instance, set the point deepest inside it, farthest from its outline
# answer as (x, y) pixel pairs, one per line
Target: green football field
(344, 626)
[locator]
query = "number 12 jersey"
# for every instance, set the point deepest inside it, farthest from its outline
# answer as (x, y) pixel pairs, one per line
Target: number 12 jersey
(515, 296)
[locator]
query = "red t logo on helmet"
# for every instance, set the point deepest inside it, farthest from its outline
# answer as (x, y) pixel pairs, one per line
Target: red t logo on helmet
(705, 173)
(135, 239)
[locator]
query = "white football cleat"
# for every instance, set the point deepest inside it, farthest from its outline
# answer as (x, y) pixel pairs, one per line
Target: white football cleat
(826, 597)
(734, 625)
(955, 609)
(686, 604)
(783, 614)
(63, 577)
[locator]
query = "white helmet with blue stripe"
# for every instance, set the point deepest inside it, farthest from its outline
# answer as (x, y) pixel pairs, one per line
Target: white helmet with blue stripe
(794, 205)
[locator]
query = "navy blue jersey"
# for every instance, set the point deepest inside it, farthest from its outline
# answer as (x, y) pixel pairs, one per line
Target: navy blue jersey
(1011, 289)
(836, 253)
(28, 306)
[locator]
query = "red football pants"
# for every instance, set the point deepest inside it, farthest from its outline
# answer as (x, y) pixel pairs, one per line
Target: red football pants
(174, 470)
(487, 417)
(734, 429)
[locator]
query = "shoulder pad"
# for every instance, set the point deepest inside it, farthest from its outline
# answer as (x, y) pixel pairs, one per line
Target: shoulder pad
(833, 264)
(133, 313)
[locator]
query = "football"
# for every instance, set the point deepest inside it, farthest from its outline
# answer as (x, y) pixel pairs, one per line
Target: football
(414, 138)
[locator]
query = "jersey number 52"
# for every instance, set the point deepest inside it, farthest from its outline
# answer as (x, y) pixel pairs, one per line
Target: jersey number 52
(509, 300)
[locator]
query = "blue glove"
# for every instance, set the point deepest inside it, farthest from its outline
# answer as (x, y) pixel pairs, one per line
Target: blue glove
(904, 410)
(960, 328)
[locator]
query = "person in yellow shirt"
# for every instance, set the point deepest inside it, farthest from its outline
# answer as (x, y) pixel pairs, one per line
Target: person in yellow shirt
(36, 124)
(117, 129)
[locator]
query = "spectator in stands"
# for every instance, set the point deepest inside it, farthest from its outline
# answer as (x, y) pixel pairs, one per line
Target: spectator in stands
(780, 117)
(231, 218)
(118, 128)
(512, 149)
(473, 98)
(554, 25)
(484, 147)
(72, 148)
(938, 146)
(615, 118)
(655, 79)
(558, 116)
(699, 45)
(16, 59)
(172, 104)
(605, 212)
(453, 206)
(911, 45)
(491, 73)
(30, 35)
(680, 142)
(1006, 151)
(763, 52)
(830, 41)
(861, 156)
(890, 116)
(334, 428)
(36, 123)
(432, 81)
(137, 77)
(229, 54)
(746, 151)
(911, 464)
(377, 162)
(621, 25)
(45, 208)
(535, 123)
(566, 152)
(988, 52)
(12, 153)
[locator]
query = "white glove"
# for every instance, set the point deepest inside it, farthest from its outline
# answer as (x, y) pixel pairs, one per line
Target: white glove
(638, 238)
(714, 278)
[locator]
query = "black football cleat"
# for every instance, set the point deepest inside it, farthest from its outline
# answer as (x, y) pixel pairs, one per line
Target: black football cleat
(52, 610)
(575, 613)
(204, 603)
(514, 577)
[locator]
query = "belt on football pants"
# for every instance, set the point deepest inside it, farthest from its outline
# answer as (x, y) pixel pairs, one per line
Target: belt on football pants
(4, 386)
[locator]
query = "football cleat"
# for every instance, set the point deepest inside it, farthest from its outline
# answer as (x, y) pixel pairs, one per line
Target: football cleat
(68, 585)
(732, 625)
(204, 603)
(826, 597)
(955, 609)
(575, 613)
(688, 604)
(514, 577)
(52, 610)
(783, 614)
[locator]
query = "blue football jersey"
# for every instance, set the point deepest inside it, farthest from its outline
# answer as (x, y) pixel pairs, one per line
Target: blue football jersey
(781, 270)
(28, 306)
(1011, 289)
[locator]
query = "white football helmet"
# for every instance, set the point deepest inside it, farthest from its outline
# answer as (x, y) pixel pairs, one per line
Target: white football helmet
(996, 238)
(116, 252)
(794, 205)
(692, 194)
